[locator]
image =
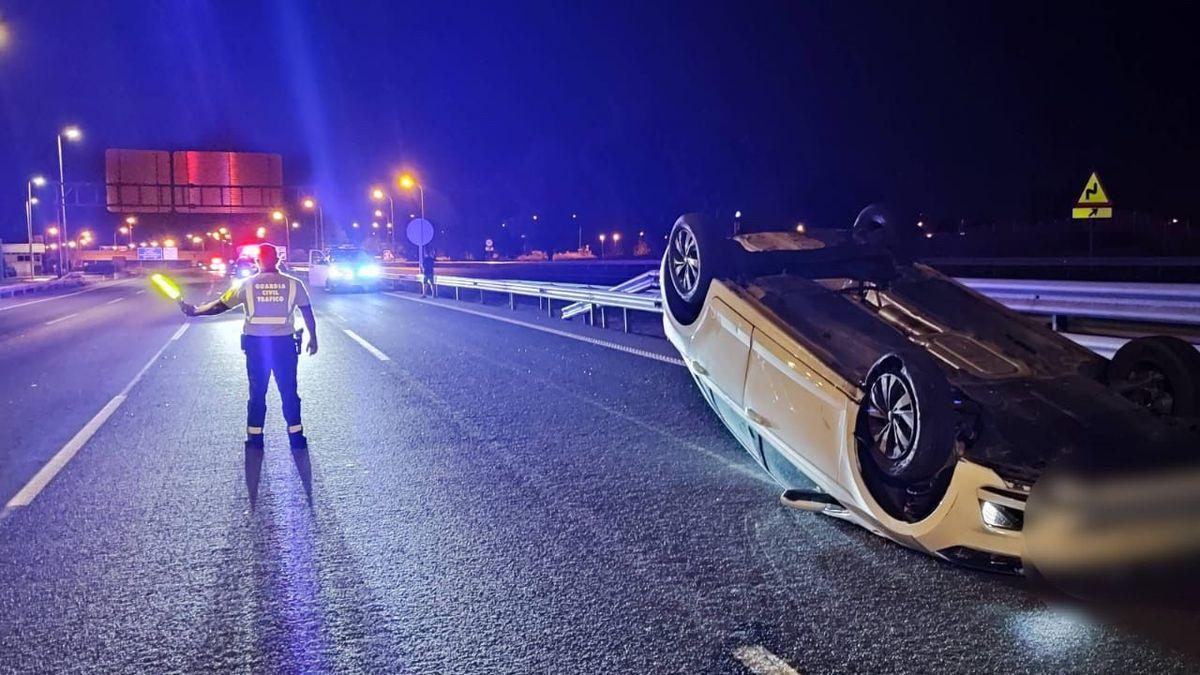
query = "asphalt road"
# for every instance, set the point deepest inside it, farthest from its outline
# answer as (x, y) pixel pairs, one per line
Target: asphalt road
(480, 496)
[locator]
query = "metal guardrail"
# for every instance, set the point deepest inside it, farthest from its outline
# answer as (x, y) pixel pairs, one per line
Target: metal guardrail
(1177, 304)
(1143, 302)
(639, 284)
(14, 289)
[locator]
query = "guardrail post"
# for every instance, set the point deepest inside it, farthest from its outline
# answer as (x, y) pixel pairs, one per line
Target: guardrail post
(512, 300)
(549, 308)
(625, 319)
(603, 316)
(456, 289)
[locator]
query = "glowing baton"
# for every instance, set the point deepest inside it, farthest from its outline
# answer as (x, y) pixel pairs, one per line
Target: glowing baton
(169, 288)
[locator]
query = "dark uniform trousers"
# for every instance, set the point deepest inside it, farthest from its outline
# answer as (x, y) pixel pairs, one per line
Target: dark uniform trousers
(266, 356)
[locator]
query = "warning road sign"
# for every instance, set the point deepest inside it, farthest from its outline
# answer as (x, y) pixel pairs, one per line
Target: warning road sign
(1093, 201)
(1086, 212)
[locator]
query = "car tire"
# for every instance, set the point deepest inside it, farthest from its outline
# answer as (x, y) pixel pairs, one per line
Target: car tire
(1160, 373)
(698, 251)
(905, 429)
(878, 226)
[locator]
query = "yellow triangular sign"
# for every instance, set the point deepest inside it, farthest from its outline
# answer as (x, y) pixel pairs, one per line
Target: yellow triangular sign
(1093, 193)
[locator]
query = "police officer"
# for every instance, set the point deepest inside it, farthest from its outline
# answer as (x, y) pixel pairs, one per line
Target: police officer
(269, 339)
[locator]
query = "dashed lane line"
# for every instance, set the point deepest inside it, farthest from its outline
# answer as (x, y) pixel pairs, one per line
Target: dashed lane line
(644, 353)
(366, 345)
(115, 300)
(42, 478)
(51, 322)
(760, 660)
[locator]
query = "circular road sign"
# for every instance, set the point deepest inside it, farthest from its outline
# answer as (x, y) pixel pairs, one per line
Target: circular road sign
(420, 231)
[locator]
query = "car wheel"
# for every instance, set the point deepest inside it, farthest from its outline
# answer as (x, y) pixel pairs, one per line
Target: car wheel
(879, 227)
(698, 250)
(906, 473)
(1160, 373)
(905, 426)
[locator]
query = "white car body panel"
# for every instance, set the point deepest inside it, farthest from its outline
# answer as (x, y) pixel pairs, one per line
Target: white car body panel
(784, 398)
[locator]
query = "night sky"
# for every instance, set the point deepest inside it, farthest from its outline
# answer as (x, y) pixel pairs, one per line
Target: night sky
(626, 113)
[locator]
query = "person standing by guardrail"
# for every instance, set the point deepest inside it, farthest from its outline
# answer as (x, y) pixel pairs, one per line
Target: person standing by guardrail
(270, 341)
(426, 271)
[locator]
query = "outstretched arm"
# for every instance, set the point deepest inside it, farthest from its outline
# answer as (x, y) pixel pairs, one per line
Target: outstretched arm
(310, 322)
(207, 309)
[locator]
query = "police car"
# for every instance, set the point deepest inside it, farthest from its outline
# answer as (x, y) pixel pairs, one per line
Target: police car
(344, 267)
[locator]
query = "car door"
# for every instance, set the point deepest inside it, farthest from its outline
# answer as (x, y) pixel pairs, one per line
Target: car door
(795, 408)
(720, 347)
(318, 269)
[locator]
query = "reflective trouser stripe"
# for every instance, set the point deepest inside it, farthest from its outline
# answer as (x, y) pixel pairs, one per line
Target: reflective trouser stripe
(254, 430)
(291, 304)
(295, 428)
(269, 319)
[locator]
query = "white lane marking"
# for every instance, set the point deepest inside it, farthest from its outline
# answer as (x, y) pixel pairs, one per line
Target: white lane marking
(366, 345)
(644, 353)
(65, 295)
(179, 333)
(51, 322)
(339, 317)
(115, 300)
(140, 292)
(42, 478)
(758, 659)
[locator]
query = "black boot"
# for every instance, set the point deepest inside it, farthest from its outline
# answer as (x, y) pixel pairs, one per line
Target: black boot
(298, 441)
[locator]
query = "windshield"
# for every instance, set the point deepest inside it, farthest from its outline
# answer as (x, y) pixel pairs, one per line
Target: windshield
(353, 257)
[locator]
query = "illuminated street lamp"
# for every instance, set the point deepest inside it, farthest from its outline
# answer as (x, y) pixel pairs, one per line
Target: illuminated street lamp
(602, 238)
(261, 232)
(30, 202)
(222, 230)
(407, 181)
(310, 204)
(379, 194)
(169, 243)
(354, 224)
(72, 133)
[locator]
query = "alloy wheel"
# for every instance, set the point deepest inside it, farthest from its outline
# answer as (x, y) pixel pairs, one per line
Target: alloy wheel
(684, 261)
(892, 416)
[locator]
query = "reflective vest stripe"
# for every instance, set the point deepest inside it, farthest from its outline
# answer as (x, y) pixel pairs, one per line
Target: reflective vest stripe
(291, 304)
(249, 298)
(268, 319)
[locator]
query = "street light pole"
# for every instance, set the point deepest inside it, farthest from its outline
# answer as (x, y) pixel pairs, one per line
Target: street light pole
(29, 228)
(62, 201)
(72, 134)
(39, 181)
(391, 223)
